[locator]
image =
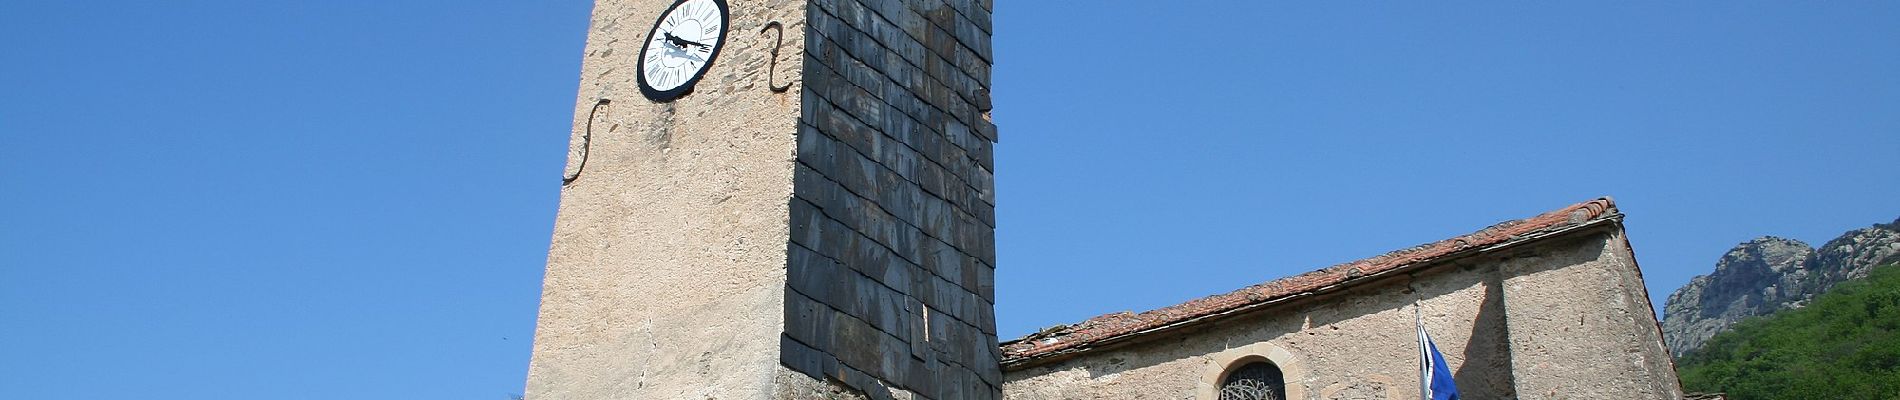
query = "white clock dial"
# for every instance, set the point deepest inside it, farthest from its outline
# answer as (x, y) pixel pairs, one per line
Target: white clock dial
(680, 48)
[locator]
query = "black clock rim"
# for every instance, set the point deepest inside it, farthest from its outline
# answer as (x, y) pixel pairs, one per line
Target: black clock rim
(662, 96)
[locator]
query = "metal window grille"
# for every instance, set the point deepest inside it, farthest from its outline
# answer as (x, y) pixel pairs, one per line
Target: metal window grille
(1254, 381)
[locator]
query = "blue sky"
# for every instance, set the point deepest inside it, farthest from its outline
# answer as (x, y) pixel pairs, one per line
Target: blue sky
(321, 200)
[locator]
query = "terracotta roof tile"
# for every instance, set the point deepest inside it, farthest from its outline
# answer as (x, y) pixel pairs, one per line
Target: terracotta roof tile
(1079, 337)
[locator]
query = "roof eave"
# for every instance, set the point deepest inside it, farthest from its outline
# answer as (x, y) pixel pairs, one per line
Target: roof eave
(1610, 218)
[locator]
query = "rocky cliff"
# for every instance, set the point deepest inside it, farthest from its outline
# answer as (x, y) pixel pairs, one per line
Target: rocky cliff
(1771, 274)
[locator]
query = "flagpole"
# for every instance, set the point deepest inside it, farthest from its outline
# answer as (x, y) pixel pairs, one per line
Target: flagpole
(1434, 378)
(1424, 368)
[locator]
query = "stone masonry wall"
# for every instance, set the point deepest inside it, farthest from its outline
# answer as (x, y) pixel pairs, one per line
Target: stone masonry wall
(891, 259)
(1585, 331)
(1564, 317)
(666, 275)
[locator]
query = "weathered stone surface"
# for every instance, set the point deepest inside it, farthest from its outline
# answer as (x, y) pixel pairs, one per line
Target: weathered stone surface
(1580, 324)
(833, 241)
(1857, 252)
(666, 276)
(1561, 317)
(1755, 278)
(794, 384)
(1771, 274)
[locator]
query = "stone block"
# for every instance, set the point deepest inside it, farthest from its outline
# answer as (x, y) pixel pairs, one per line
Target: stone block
(803, 228)
(948, 299)
(805, 359)
(922, 378)
(842, 293)
(956, 347)
(944, 261)
(979, 71)
(814, 321)
(941, 42)
(981, 18)
(975, 38)
(972, 273)
(862, 75)
(814, 150)
(873, 388)
(897, 274)
(893, 313)
(986, 284)
(950, 384)
(982, 356)
(818, 194)
(807, 97)
(854, 343)
(987, 130)
(810, 273)
(985, 184)
(894, 360)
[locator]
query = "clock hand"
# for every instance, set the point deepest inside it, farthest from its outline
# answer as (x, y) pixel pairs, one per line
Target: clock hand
(682, 43)
(689, 55)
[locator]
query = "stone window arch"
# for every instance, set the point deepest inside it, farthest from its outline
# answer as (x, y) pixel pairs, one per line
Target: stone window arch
(1254, 380)
(1257, 361)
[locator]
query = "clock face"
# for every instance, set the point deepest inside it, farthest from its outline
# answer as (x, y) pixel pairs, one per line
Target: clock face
(681, 47)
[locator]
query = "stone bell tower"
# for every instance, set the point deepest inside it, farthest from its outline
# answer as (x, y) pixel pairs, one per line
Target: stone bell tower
(812, 218)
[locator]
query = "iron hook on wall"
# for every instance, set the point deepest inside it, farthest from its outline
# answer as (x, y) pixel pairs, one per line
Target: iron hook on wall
(587, 143)
(772, 70)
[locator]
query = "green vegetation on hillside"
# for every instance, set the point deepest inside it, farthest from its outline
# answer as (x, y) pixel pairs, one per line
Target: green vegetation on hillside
(1844, 345)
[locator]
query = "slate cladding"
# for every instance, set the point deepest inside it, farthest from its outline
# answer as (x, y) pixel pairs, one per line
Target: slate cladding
(892, 260)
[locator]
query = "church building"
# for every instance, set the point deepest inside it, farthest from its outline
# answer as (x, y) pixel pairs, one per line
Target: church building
(1547, 307)
(794, 199)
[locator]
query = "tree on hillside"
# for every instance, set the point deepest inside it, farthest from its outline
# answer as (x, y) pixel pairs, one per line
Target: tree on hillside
(1844, 345)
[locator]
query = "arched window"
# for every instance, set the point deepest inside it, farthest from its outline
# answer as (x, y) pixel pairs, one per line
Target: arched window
(1259, 380)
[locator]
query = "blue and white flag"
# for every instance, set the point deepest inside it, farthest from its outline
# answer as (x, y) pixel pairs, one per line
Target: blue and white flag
(1434, 378)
